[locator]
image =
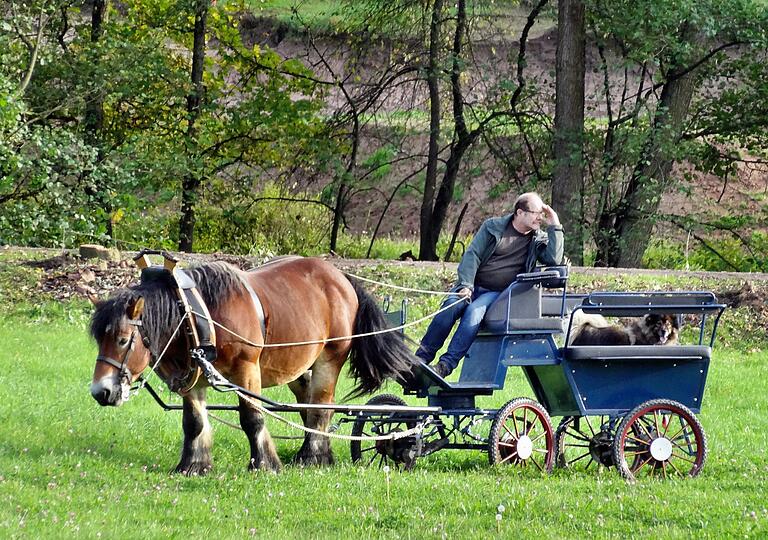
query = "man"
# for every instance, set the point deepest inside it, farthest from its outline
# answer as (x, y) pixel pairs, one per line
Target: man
(502, 248)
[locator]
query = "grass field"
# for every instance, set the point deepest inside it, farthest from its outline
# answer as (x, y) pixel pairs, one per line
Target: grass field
(69, 468)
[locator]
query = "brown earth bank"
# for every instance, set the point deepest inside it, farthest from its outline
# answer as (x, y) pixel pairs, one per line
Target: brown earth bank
(494, 56)
(66, 275)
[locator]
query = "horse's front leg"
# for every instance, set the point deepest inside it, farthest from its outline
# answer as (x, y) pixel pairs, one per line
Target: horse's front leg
(196, 450)
(263, 453)
(316, 449)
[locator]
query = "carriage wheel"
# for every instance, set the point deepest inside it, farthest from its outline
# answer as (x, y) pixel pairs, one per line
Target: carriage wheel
(391, 452)
(660, 438)
(584, 443)
(522, 435)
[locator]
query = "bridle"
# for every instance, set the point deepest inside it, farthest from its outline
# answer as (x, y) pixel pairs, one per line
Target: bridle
(198, 331)
(124, 374)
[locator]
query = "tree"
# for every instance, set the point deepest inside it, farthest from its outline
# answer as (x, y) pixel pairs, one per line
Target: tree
(679, 50)
(568, 174)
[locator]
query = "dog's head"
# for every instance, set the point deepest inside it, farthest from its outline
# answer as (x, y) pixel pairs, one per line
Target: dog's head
(661, 329)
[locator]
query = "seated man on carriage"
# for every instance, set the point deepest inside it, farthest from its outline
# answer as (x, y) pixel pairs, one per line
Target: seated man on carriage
(502, 248)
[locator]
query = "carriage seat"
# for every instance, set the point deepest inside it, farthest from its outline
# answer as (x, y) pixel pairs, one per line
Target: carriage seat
(637, 352)
(519, 307)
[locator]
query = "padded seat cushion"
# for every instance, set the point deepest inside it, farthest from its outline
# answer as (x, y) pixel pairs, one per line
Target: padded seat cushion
(629, 352)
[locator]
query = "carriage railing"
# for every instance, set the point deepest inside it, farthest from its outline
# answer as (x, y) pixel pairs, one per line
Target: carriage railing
(638, 304)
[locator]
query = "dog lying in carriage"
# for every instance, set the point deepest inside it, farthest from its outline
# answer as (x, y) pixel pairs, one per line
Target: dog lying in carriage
(651, 329)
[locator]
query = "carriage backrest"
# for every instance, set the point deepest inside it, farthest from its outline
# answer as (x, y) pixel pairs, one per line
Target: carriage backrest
(521, 305)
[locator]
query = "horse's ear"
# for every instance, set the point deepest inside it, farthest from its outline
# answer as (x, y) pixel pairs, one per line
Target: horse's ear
(135, 308)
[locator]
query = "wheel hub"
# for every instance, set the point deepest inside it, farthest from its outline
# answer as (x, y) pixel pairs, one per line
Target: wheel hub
(661, 449)
(524, 447)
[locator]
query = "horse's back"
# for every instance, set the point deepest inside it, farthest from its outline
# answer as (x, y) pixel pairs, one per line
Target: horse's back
(306, 288)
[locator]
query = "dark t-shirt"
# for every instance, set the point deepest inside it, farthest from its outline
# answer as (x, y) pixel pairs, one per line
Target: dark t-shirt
(506, 262)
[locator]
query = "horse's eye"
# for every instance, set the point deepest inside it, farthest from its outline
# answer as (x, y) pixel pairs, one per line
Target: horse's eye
(122, 341)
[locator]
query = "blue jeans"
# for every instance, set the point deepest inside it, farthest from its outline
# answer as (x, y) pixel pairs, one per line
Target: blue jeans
(471, 315)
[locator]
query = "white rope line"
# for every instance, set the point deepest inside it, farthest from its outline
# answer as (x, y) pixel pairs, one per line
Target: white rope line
(160, 357)
(398, 287)
(328, 340)
(397, 435)
(280, 437)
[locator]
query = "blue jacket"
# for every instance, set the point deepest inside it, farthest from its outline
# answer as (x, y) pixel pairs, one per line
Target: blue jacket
(547, 248)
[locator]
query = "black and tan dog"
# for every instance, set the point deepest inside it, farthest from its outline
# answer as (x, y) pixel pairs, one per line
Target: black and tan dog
(651, 329)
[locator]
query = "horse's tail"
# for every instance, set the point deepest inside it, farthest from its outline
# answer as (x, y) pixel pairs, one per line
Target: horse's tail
(377, 357)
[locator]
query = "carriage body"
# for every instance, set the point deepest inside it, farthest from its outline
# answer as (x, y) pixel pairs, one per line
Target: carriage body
(596, 389)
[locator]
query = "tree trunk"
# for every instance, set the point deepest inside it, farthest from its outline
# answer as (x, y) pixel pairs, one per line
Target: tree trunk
(568, 175)
(427, 242)
(650, 179)
(93, 122)
(193, 177)
(344, 188)
(462, 139)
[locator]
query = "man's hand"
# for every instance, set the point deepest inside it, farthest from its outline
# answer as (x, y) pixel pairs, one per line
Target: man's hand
(465, 293)
(550, 216)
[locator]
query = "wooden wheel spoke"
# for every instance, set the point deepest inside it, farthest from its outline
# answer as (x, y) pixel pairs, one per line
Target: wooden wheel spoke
(656, 421)
(664, 469)
(643, 422)
(539, 436)
(685, 449)
(510, 456)
(676, 456)
(507, 444)
(666, 422)
(537, 464)
(674, 467)
(642, 464)
(641, 441)
(679, 432)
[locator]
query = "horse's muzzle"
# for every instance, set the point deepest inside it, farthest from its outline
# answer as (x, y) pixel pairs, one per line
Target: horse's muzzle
(107, 394)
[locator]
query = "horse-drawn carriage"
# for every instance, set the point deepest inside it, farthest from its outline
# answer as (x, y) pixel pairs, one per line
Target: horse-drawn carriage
(629, 406)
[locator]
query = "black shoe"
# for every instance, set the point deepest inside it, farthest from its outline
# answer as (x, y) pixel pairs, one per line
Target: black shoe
(442, 369)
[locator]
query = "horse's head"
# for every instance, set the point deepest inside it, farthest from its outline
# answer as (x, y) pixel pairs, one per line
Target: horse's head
(123, 354)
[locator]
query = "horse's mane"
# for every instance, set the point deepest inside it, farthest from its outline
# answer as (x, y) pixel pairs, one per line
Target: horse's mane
(215, 281)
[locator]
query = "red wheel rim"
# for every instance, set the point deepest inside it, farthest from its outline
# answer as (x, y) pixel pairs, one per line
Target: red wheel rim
(661, 440)
(526, 439)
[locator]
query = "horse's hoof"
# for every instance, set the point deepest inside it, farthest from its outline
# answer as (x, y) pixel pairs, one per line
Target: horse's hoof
(265, 465)
(314, 460)
(193, 469)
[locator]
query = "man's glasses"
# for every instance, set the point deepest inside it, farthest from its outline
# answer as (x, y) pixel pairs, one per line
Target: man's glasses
(539, 213)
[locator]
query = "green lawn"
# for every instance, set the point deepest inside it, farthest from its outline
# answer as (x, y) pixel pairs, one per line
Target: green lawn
(69, 468)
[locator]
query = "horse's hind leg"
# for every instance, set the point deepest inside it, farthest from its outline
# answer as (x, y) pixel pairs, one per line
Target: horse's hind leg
(263, 453)
(300, 389)
(196, 450)
(316, 449)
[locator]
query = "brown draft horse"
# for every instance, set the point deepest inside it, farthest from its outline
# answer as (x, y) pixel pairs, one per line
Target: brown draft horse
(303, 300)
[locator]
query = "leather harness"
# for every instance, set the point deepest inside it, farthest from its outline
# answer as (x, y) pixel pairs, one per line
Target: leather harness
(199, 331)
